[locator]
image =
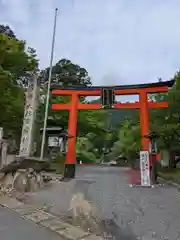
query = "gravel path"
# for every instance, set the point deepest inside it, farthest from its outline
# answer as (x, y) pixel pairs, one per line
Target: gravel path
(127, 213)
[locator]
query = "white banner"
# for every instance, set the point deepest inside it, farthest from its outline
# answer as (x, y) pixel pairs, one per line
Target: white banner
(145, 168)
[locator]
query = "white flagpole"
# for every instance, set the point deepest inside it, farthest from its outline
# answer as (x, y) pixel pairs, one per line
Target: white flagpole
(49, 85)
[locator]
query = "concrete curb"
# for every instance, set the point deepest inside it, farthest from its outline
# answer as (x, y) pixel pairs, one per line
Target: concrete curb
(42, 218)
(170, 182)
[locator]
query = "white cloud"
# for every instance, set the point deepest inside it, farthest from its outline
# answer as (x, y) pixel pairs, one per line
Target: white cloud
(128, 41)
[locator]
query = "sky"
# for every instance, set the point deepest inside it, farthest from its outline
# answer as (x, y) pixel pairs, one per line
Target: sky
(117, 41)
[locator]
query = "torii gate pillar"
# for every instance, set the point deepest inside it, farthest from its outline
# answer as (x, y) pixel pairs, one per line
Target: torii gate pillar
(144, 120)
(69, 171)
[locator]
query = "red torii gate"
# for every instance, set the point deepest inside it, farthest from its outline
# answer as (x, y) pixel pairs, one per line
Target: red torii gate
(143, 105)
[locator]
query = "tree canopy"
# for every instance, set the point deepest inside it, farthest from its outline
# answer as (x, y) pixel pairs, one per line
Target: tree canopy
(16, 63)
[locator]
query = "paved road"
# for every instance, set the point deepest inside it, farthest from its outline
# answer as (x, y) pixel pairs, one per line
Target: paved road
(131, 213)
(12, 227)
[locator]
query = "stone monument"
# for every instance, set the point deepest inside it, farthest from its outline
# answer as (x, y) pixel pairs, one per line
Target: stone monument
(28, 129)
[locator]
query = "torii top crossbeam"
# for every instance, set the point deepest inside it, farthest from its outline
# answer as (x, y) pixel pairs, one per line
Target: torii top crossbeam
(119, 89)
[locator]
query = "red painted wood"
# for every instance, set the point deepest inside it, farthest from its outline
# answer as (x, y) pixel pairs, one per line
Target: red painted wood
(93, 92)
(72, 125)
(135, 105)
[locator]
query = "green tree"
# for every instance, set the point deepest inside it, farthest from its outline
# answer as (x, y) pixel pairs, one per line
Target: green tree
(84, 149)
(165, 122)
(129, 141)
(5, 29)
(16, 65)
(67, 74)
(15, 59)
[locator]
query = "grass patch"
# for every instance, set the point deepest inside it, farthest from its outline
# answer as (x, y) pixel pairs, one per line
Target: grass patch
(170, 174)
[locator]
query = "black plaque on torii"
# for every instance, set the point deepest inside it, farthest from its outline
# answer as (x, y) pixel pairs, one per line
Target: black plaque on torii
(107, 97)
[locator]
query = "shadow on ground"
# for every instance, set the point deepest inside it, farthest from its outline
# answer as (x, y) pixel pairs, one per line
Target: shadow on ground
(108, 229)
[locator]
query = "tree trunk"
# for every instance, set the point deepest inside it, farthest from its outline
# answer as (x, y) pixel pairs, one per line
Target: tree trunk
(172, 161)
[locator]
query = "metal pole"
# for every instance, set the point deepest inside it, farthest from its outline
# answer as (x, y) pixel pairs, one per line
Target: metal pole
(49, 84)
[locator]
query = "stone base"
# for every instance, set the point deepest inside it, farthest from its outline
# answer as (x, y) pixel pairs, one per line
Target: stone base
(69, 171)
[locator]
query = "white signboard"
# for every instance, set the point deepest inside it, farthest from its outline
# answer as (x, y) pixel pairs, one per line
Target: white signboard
(53, 141)
(145, 168)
